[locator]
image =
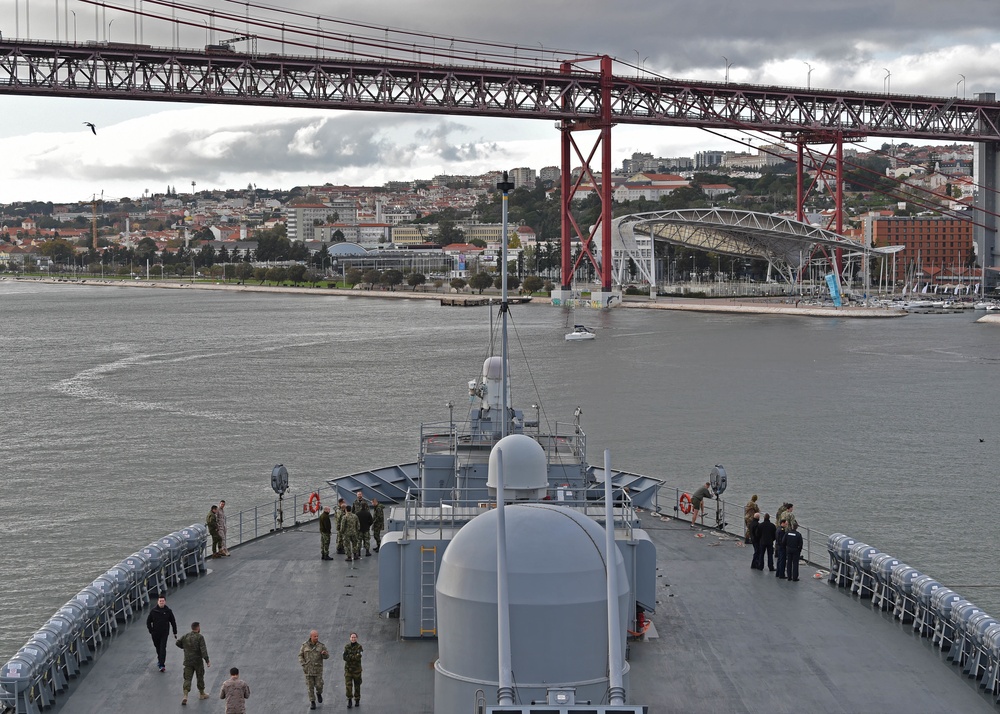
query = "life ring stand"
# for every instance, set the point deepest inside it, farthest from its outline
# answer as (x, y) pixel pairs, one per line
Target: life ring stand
(314, 504)
(685, 503)
(643, 629)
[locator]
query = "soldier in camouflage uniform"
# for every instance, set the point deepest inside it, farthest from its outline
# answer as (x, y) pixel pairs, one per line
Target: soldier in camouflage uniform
(356, 506)
(378, 522)
(365, 520)
(325, 531)
(212, 521)
(780, 515)
(789, 516)
(350, 529)
(311, 656)
(749, 513)
(337, 517)
(195, 651)
(352, 670)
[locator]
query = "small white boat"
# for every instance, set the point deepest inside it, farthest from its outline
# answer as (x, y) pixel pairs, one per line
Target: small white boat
(581, 332)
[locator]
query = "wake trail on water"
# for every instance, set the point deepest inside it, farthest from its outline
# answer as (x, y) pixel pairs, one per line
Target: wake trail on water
(86, 384)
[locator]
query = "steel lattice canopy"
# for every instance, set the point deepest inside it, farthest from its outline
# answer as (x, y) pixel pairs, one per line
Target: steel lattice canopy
(743, 234)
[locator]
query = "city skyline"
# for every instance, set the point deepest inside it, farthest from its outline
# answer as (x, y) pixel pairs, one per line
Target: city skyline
(923, 48)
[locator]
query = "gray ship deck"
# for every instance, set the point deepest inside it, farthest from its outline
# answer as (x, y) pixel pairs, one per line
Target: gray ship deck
(730, 639)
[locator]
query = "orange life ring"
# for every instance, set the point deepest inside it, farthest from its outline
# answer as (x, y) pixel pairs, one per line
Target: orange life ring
(685, 503)
(314, 502)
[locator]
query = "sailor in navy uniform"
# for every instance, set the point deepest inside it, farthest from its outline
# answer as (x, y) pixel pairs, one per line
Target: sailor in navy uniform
(793, 549)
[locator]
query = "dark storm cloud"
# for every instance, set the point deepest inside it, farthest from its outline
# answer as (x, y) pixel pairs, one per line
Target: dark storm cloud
(683, 37)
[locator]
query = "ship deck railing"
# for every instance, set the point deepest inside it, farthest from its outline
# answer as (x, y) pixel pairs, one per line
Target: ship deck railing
(438, 510)
(714, 515)
(287, 512)
(567, 443)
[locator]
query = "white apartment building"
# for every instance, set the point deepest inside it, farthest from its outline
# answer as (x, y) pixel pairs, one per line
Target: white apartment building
(303, 217)
(522, 177)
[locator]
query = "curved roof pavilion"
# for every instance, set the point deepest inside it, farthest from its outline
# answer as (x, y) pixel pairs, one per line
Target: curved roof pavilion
(784, 243)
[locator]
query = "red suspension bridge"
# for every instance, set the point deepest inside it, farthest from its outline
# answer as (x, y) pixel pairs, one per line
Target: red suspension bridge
(350, 66)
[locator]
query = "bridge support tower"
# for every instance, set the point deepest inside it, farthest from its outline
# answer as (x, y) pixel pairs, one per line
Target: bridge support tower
(599, 151)
(984, 230)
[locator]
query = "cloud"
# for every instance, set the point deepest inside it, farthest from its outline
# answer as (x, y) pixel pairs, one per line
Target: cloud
(220, 147)
(916, 47)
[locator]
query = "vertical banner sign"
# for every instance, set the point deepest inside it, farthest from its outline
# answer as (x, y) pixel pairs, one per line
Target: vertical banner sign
(831, 281)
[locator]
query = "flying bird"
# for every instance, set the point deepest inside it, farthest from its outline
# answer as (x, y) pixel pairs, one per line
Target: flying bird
(92, 127)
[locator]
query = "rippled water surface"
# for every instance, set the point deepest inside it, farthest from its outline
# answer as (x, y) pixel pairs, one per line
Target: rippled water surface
(127, 411)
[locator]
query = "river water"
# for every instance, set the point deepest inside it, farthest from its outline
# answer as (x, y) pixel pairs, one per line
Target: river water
(127, 412)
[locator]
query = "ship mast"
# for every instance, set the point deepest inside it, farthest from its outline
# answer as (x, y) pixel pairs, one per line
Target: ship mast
(505, 688)
(505, 187)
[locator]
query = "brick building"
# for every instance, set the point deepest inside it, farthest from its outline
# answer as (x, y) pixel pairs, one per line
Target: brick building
(938, 247)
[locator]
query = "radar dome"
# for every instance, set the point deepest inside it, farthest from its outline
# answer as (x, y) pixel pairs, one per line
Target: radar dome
(525, 473)
(558, 606)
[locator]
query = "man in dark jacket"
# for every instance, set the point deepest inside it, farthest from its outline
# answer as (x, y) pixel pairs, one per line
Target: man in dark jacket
(195, 660)
(793, 549)
(159, 621)
(767, 533)
(757, 562)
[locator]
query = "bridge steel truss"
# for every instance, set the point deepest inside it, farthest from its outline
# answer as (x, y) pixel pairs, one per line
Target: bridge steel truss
(575, 98)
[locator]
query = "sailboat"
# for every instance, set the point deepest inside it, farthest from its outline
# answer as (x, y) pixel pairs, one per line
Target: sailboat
(581, 332)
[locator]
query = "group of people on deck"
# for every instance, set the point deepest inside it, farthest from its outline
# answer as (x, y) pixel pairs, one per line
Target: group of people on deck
(781, 542)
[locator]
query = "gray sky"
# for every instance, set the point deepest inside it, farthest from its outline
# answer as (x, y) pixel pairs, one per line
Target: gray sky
(917, 46)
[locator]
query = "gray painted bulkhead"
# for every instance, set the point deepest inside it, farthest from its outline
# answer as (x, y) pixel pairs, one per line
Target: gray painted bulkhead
(401, 559)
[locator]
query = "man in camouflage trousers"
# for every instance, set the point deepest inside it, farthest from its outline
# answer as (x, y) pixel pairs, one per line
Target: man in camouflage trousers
(212, 521)
(311, 656)
(325, 531)
(350, 529)
(195, 660)
(365, 521)
(337, 517)
(352, 670)
(378, 522)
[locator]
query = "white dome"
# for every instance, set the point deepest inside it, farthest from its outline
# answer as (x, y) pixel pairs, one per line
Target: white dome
(524, 467)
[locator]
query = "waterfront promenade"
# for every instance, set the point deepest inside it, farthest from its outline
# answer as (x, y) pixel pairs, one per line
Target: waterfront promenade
(750, 306)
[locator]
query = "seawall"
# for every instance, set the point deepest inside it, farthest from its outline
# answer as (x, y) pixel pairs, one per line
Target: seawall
(750, 307)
